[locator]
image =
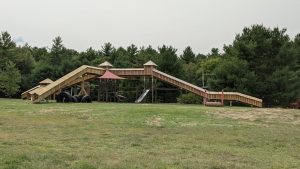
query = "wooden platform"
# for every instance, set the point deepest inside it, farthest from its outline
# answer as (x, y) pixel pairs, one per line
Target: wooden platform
(86, 73)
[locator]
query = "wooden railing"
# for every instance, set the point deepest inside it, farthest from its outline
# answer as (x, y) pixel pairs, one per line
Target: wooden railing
(64, 81)
(85, 73)
(201, 92)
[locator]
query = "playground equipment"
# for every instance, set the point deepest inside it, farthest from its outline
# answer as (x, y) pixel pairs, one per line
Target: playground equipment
(295, 104)
(66, 97)
(42, 84)
(86, 73)
(142, 97)
(108, 85)
(206, 102)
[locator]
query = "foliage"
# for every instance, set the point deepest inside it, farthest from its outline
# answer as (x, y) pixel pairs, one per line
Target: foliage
(6, 41)
(232, 74)
(6, 49)
(261, 62)
(266, 53)
(10, 79)
(188, 55)
(168, 61)
(189, 98)
(189, 72)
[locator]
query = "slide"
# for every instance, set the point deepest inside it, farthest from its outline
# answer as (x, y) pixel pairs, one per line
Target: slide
(141, 98)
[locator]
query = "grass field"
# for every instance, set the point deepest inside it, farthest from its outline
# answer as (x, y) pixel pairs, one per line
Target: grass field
(103, 135)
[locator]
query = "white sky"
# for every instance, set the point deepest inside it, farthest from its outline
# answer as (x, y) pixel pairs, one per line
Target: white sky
(201, 24)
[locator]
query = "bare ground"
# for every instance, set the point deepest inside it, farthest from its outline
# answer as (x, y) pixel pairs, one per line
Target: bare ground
(268, 115)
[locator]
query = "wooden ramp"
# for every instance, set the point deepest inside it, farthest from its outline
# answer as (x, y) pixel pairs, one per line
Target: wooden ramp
(202, 92)
(85, 73)
(78, 75)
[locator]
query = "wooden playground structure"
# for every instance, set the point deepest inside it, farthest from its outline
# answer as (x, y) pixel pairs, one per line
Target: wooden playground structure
(49, 89)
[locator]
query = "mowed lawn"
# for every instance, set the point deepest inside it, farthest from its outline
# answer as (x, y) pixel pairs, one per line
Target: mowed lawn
(112, 135)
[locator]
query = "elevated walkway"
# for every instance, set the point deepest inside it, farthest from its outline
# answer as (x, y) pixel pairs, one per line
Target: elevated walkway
(86, 73)
(235, 96)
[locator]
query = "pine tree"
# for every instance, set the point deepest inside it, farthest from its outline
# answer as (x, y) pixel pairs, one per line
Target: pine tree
(10, 79)
(188, 55)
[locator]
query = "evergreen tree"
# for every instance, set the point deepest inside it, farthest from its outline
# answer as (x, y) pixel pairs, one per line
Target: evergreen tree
(168, 61)
(268, 53)
(188, 55)
(132, 52)
(107, 51)
(214, 52)
(10, 79)
(6, 49)
(232, 74)
(6, 42)
(56, 53)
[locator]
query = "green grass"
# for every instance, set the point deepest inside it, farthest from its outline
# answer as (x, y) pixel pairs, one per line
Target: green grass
(102, 135)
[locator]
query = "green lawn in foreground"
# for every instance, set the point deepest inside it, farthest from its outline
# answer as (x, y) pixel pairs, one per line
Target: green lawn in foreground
(102, 135)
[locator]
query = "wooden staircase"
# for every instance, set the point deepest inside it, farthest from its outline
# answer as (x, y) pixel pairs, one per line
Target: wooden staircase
(235, 96)
(85, 73)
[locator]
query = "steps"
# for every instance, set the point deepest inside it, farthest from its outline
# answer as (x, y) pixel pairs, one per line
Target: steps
(88, 72)
(235, 96)
(64, 81)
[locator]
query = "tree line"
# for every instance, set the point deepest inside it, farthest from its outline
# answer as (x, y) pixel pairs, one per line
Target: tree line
(262, 62)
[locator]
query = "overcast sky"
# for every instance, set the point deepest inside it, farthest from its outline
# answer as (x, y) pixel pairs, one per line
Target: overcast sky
(201, 24)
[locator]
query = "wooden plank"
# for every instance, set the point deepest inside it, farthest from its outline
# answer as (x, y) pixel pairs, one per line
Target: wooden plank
(88, 72)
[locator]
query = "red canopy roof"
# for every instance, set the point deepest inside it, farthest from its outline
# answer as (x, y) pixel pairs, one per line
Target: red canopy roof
(109, 75)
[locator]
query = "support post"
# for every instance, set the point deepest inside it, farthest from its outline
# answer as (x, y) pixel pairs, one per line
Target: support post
(203, 78)
(205, 98)
(155, 84)
(144, 82)
(82, 91)
(152, 88)
(222, 98)
(99, 90)
(88, 88)
(148, 70)
(106, 90)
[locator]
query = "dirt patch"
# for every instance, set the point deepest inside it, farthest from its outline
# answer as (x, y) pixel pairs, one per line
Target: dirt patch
(264, 114)
(156, 121)
(51, 110)
(64, 111)
(190, 124)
